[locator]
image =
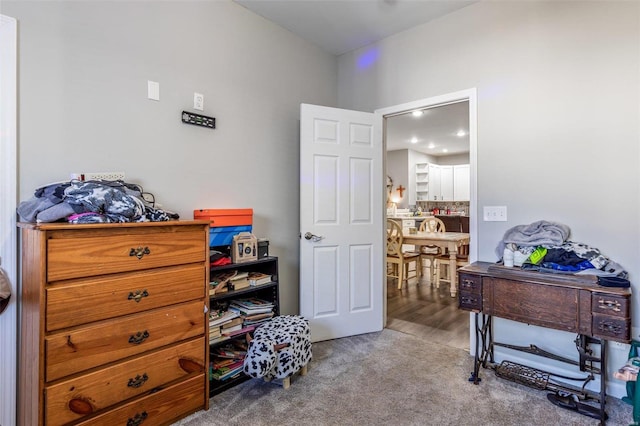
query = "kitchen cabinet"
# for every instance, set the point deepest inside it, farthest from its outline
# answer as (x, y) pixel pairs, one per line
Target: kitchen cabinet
(446, 183)
(434, 182)
(461, 182)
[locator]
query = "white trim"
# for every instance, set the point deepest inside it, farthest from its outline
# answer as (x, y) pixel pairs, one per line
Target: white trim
(8, 200)
(471, 96)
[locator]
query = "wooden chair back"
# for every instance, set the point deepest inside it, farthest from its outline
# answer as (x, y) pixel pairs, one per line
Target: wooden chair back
(394, 238)
(432, 224)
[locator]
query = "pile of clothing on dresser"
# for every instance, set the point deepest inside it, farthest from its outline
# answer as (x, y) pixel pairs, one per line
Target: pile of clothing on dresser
(544, 246)
(92, 202)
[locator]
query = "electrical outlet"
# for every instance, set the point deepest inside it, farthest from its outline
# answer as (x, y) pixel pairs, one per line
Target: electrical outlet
(198, 101)
(102, 176)
(495, 213)
(620, 346)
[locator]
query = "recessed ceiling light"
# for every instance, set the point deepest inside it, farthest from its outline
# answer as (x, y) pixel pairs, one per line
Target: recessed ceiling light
(445, 150)
(417, 113)
(461, 133)
(431, 145)
(414, 140)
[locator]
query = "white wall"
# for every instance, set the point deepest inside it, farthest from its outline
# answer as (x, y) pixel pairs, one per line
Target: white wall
(398, 169)
(558, 112)
(83, 77)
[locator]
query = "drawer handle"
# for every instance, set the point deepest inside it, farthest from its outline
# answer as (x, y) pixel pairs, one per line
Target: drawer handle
(139, 337)
(609, 304)
(467, 284)
(139, 252)
(138, 381)
(137, 419)
(139, 294)
(608, 327)
(468, 300)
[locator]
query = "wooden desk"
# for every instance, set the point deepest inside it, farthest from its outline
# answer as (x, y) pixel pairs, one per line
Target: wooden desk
(573, 303)
(444, 240)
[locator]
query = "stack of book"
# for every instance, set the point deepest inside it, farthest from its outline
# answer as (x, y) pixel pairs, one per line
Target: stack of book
(251, 306)
(258, 278)
(226, 362)
(218, 320)
(228, 281)
(219, 282)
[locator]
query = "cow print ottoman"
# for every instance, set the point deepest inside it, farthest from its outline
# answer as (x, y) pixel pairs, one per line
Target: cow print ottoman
(279, 348)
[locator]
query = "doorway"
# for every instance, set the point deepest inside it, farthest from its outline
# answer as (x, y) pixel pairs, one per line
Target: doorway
(422, 309)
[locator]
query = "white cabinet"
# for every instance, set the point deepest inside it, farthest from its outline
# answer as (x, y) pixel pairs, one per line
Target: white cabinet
(434, 182)
(461, 182)
(446, 183)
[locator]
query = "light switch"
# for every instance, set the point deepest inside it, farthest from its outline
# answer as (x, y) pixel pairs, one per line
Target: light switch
(198, 101)
(153, 90)
(495, 213)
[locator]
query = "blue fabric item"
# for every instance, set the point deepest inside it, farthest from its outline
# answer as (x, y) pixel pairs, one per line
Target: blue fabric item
(585, 264)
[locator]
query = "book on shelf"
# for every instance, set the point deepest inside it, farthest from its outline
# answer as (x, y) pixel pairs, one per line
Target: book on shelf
(214, 332)
(239, 281)
(258, 278)
(222, 317)
(228, 351)
(236, 321)
(242, 330)
(218, 339)
(228, 371)
(229, 331)
(251, 306)
(218, 282)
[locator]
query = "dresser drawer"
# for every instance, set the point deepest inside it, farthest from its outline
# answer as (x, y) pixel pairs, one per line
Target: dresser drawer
(161, 407)
(107, 341)
(89, 255)
(84, 395)
(609, 304)
(93, 299)
(612, 328)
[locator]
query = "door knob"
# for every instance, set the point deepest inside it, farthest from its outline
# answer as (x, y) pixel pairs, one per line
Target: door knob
(313, 237)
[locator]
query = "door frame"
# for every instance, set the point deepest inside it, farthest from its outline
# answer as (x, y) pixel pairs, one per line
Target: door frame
(8, 203)
(471, 96)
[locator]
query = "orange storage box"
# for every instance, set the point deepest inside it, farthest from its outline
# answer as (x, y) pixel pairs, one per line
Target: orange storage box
(225, 217)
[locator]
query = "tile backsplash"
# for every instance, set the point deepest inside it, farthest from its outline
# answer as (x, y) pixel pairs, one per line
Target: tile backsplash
(453, 206)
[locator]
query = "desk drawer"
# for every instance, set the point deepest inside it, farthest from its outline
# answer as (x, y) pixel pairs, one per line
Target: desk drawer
(612, 328)
(89, 255)
(470, 283)
(609, 304)
(92, 299)
(84, 395)
(108, 341)
(470, 301)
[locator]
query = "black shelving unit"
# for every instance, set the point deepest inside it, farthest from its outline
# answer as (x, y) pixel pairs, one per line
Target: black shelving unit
(269, 292)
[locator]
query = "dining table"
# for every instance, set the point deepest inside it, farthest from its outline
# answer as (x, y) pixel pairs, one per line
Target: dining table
(447, 241)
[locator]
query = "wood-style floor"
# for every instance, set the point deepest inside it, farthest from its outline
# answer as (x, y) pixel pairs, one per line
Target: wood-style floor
(427, 312)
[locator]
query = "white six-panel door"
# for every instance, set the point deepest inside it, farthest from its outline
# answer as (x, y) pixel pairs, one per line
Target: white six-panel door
(341, 213)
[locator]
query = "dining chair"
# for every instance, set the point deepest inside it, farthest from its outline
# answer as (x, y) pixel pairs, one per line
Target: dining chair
(397, 257)
(443, 265)
(431, 224)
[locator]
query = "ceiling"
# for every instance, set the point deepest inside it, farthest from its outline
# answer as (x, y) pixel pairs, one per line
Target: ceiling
(340, 26)
(435, 131)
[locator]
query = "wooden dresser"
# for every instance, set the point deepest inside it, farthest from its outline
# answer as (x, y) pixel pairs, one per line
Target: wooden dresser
(113, 324)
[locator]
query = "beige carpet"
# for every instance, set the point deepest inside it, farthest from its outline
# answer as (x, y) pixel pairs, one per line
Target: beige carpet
(391, 378)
